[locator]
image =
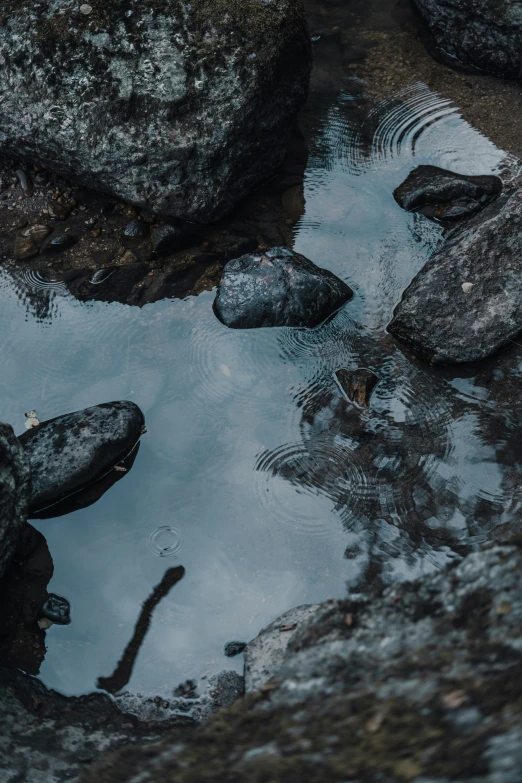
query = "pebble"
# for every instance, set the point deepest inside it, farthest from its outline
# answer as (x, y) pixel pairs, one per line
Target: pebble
(85, 9)
(467, 287)
(44, 624)
(234, 648)
(57, 609)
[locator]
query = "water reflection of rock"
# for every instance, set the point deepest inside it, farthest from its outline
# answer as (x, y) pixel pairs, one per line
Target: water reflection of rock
(413, 477)
(136, 270)
(23, 591)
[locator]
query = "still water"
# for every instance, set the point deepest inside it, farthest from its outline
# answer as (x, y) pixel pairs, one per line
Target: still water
(255, 474)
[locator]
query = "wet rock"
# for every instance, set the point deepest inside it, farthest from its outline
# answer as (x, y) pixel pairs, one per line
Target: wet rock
(445, 195)
(136, 229)
(266, 652)
(420, 683)
(234, 648)
(484, 34)
(167, 239)
(49, 738)
(14, 493)
(57, 609)
(277, 288)
(59, 243)
(447, 323)
(357, 385)
(195, 109)
(57, 210)
(70, 452)
(24, 248)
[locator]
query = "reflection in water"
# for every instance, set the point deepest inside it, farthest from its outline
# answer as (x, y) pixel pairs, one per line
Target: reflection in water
(122, 673)
(23, 591)
(280, 489)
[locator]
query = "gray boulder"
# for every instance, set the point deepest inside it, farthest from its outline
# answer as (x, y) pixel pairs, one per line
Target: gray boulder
(485, 34)
(70, 452)
(420, 683)
(445, 195)
(181, 107)
(14, 493)
(277, 288)
(466, 303)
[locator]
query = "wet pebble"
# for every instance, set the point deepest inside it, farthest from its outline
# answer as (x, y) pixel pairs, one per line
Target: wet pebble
(357, 385)
(234, 648)
(85, 9)
(135, 229)
(61, 211)
(62, 242)
(24, 248)
(57, 609)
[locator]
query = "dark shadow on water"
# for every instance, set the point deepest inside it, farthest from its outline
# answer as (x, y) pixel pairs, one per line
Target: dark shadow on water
(123, 671)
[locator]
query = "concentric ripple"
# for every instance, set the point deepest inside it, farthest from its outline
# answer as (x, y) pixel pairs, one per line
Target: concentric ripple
(166, 541)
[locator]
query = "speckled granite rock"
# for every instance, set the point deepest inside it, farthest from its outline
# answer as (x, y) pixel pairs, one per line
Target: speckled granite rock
(486, 34)
(49, 738)
(181, 107)
(69, 452)
(422, 683)
(447, 323)
(277, 288)
(14, 493)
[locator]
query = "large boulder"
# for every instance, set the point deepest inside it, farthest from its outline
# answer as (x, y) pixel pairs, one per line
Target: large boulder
(485, 34)
(445, 195)
(70, 452)
(421, 683)
(14, 493)
(178, 106)
(466, 302)
(277, 288)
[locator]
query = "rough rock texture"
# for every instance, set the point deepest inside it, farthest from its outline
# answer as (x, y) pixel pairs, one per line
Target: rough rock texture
(485, 34)
(420, 684)
(442, 321)
(445, 195)
(14, 493)
(268, 649)
(48, 738)
(277, 288)
(70, 452)
(181, 107)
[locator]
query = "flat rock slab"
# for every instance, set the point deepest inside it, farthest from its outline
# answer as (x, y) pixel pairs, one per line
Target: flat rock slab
(179, 106)
(277, 288)
(14, 493)
(265, 653)
(69, 452)
(466, 303)
(484, 34)
(445, 195)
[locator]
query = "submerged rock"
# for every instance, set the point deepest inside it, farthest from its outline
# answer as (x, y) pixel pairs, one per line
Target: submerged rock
(466, 303)
(234, 648)
(277, 288)
(14, 493)
(419, 683)
(485, 34)
(357, 385)
(70, 452)
(445, 195)
(195, 107)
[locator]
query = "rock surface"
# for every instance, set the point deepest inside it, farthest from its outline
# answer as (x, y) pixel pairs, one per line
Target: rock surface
(70, 452)
(357, 385)
(445, 195)
(48, 738)
(277, 288)
(420, 684)
(14, 493)
(485, 34)
(267, 650)
(444, 319)
(180, 107)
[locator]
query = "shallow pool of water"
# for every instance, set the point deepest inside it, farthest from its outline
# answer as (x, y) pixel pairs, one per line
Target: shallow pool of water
(255, 474)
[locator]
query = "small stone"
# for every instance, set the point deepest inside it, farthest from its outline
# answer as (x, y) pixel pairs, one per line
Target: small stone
(127, 258)
(24, 248)
(85, 9)
(357, 385)
(61, 211)
(234, 648)
(44, 624)
(136, 229)
(467, 287)
(57, 610)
